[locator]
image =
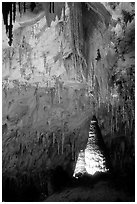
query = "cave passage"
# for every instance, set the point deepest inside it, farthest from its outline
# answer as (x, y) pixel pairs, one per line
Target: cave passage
(92, 159)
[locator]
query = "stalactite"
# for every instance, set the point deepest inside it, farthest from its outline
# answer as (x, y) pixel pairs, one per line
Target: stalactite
(20, 55)
(125, 130)
(50, 8)
(64, 12)
(52, 91)
(58, 88)
(128, 123)
(45, 62)
(99, 101)
(58, 147)
(49, 123)
(72, 146)
(63, 139)
(59, 93)
(14, 11)
(19, 6)
(6, 87)
(108, 107)
(53, 9)
(5, 91)
(131, 123)
(5, 11)
(112, 110)
(111, 125)
(7, 15)
(24, 6)
(47, 136)
(10, 27)
(54, 137)
(10, 59)
(116, 121)
(43, 139)
(123, 113)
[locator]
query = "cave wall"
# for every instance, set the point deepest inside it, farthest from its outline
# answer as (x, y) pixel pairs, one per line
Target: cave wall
(111, 62)
(46, 110)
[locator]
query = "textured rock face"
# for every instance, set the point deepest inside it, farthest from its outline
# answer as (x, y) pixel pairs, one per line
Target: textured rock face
(115, 86)
(46, 110)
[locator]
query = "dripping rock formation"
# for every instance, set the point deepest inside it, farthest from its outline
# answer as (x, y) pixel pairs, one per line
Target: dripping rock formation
(62, 63)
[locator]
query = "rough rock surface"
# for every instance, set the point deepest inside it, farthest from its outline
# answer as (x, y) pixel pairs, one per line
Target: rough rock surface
(101, 192)
(46, 110)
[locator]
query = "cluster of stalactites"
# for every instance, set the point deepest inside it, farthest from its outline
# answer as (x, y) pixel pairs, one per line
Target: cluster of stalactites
(9, 15)
(10, 9)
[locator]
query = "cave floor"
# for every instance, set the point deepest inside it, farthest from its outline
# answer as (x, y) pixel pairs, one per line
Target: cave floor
(100, 188)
